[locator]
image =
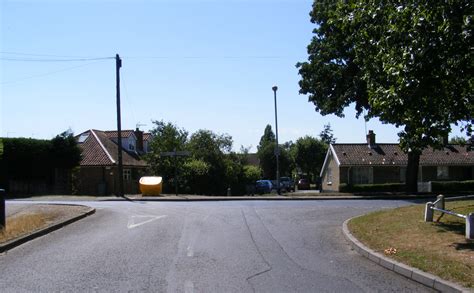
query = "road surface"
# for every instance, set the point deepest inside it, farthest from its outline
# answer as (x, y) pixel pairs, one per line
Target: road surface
(236, 246)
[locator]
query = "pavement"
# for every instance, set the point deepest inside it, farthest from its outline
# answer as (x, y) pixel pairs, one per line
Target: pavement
(31, 205)
(62, 215)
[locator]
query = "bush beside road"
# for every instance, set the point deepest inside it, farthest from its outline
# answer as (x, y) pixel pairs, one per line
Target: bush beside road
(439, 248)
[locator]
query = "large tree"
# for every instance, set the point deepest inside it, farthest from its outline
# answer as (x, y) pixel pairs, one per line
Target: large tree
(266, 155)
(326, 135)
(167, 137)
(407, 63)
(309, 153)
(214, 150)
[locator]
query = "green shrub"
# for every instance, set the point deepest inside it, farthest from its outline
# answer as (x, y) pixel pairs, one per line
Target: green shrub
(386, 187)
(452, 186)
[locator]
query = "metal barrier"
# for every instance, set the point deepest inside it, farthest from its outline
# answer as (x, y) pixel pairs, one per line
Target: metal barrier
(2, 209)
(438, 205)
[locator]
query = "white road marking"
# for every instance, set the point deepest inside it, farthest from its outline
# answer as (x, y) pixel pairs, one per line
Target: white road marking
(190, 251)
(188, 287)
(131, 220)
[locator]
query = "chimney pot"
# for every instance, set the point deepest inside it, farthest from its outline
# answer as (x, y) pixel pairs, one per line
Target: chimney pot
(371, 139)
(139, 135)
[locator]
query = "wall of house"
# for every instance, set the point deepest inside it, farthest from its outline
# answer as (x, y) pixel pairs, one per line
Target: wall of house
(455, 173)
(94, 180)
(331, 175)
(104, 180)
(344, 175)
(386, 174)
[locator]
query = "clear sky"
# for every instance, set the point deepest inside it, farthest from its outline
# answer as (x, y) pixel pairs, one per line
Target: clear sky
(200, 64)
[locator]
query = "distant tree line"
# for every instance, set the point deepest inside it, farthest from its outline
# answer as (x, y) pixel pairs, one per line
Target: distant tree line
(213, 167)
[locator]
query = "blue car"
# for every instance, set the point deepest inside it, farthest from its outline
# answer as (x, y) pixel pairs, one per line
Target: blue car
(263, 186)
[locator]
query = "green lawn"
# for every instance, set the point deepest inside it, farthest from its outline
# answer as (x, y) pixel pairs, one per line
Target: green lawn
(439, 248)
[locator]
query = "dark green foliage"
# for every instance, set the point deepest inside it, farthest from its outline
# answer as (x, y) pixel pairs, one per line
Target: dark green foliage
(210, 169)
(410, 64)
(266, 155)
(27, 159)
(452, 186)
(387, 187)
(212, 149)
(252, 174)
(65, 152)
(326, 135)
(458, 140)
(196, 176)
(309, 154)
(167, 137)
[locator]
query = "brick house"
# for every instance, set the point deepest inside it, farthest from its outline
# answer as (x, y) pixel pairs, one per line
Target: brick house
(372, 163)
(98, 169)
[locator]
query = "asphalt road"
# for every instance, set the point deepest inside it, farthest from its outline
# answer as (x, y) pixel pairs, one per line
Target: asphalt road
(241, 246)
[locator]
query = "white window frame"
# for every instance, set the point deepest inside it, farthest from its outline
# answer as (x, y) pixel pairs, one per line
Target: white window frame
(442, 172)
(127, 174)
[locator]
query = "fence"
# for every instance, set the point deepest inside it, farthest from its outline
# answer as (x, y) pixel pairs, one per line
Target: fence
(438, 205)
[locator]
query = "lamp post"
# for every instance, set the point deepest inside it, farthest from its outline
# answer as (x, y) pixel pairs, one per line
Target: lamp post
(277, 150)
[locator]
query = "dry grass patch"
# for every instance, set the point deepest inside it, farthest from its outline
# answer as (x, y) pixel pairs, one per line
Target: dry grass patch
(17, 226)
(439, 248)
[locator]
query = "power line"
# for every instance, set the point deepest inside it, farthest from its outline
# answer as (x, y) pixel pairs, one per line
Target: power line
(205, 57)
(50, 73)
(54, 60)
(127, 97)
(43, 55)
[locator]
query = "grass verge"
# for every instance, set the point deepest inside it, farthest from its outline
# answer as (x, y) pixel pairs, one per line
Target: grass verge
(439, 248)
(17, 226)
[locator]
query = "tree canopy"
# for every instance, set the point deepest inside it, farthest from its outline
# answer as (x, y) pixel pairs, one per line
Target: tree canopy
(309, 153)
(326, 135)
(266, 155)
(409, 64)
(167, 137)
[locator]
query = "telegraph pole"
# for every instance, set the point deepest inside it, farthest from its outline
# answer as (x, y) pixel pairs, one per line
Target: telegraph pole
(118, 65)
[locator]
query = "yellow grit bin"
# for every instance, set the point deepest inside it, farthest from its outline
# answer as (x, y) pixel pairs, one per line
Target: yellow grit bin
(151, 185)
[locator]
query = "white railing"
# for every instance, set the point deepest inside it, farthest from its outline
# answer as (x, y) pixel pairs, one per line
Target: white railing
(438, 205)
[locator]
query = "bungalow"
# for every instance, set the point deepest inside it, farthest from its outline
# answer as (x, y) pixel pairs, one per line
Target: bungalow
(98, 172)
(372, 163)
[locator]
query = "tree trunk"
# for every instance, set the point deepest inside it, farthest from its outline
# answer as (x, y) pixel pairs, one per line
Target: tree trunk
(412, 172)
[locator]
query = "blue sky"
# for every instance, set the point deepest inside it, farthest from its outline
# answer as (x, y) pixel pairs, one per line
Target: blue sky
(199, 64)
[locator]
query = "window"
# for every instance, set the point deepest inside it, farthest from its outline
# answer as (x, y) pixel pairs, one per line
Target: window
(403, 174)
(131, 147)
(83, 137)
(127, 174)
(362, 175)
(442, 172)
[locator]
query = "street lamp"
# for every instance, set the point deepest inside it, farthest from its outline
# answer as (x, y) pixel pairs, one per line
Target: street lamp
(277, 150)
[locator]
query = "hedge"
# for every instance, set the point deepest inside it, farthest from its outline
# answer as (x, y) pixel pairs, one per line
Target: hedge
(452, 186)
(386, 187)
(436, 186)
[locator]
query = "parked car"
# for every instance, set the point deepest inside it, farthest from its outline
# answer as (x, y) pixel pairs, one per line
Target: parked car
(303, 184)
(275, 184)
(263, 186)
(287, 184)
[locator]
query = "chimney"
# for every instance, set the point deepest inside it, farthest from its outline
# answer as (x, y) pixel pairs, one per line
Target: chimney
(139, 135)
(371, 139)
